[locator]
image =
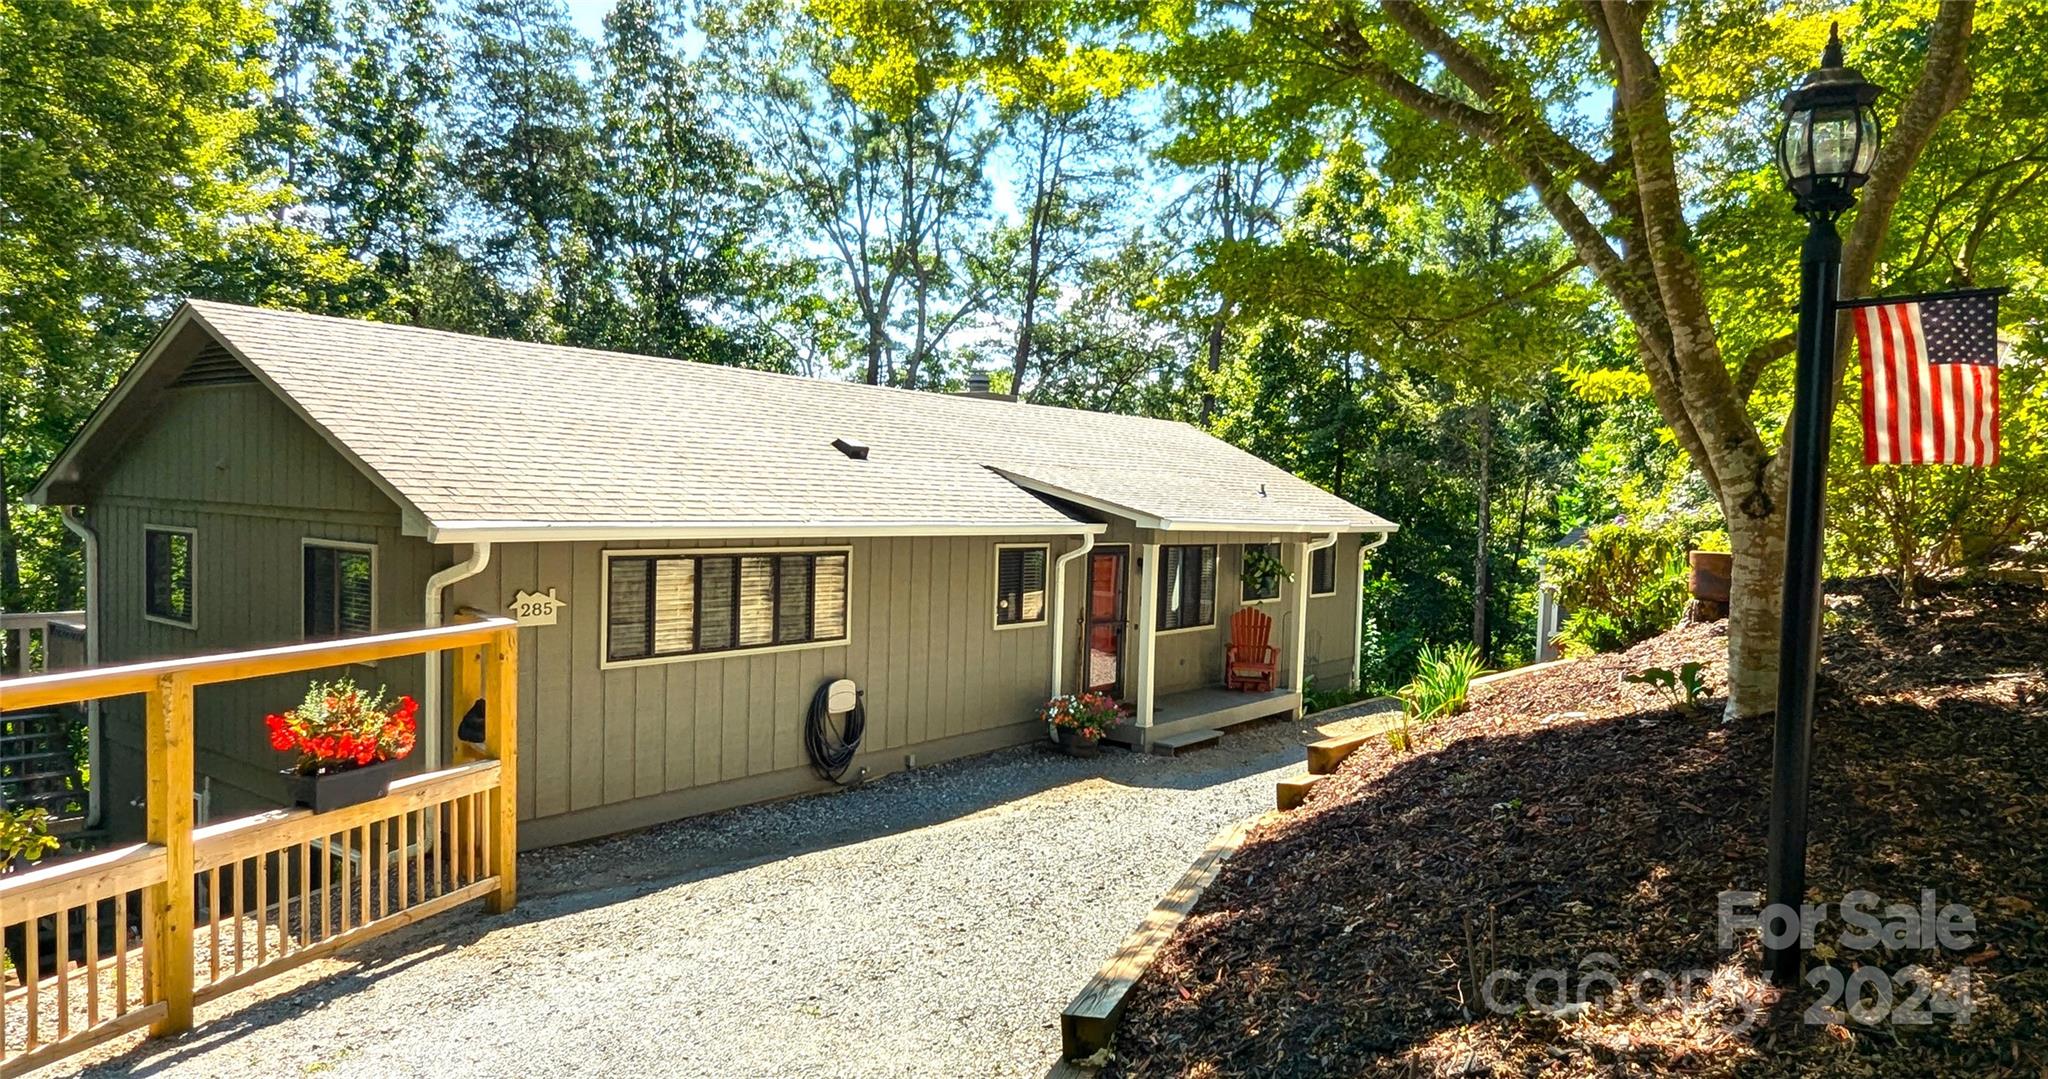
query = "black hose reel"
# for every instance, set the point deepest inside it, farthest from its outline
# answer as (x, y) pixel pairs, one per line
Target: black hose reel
(832, 751)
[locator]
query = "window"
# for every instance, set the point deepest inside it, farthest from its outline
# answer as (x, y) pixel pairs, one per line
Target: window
(1322, 571)
(1187, 586)
(1260, 574)
(167, 573)
(1020, 585)
(659, 606)
(341, 589)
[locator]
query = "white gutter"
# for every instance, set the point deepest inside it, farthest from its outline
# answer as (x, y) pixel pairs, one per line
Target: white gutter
(430, 692)
(74, 519)
(1308, 556)
(1358, 609)
(1059, 609)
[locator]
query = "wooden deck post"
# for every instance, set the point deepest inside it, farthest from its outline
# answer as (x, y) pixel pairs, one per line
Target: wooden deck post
(501, 741)
(1148, 634)
(167, 723)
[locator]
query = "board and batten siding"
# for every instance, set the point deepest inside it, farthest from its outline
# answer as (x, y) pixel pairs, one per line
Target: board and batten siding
(1333, 619)
(232, 463)
(604, 749)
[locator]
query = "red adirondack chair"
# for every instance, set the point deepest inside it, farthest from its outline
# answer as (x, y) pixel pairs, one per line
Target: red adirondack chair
(1250, 662)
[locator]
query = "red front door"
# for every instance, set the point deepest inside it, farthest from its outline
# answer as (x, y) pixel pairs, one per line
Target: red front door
(1104, 669)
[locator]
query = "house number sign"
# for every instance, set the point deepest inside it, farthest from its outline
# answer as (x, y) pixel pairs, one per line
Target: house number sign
(537, 608)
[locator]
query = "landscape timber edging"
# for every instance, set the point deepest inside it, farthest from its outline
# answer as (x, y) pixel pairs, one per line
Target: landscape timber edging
(1091, 1018)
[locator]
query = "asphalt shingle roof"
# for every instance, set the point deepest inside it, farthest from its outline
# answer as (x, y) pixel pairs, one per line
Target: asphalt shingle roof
(479, 433)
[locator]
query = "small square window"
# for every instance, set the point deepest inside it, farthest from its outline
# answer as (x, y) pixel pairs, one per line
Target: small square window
(1322, 575)
(340, 590)
(1020, 585)
(167, 571)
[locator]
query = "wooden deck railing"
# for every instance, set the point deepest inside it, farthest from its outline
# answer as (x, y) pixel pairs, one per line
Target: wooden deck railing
(136, 935)
(26, 638)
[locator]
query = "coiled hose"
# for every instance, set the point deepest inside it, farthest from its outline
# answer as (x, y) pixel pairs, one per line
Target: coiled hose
(832, 753)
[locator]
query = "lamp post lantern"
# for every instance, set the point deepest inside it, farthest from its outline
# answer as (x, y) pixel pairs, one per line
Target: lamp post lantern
(1825, 149)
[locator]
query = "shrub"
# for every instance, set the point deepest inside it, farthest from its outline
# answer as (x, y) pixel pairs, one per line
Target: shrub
(1626, 584)
(25, 835)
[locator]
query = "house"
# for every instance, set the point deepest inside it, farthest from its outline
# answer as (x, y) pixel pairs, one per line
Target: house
(694, 550)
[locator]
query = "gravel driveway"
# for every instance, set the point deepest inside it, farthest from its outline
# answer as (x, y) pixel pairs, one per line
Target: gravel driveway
(932, 923)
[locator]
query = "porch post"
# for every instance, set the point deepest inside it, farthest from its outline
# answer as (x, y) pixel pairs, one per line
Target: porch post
(1148, 629)
(1300, 642)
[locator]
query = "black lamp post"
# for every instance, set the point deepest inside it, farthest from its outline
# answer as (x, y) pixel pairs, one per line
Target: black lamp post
(1825, 149)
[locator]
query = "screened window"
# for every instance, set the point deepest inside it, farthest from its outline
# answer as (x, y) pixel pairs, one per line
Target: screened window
(681, 605)
(1322, 571)
(1261, 572)
(340, 590)
(1020, 585)
(1187, 586)
(167, 570)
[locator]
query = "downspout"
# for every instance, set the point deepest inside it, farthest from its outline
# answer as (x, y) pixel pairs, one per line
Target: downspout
(1059, 608)
(74, 519)
(1308, 557)
(430, 691)
(1358, 610)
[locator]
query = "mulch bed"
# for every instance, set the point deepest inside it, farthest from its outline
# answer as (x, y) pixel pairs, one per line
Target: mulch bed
(1573, 822)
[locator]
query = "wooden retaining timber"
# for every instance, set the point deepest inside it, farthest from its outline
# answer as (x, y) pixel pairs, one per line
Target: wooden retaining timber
(1290, 793)
(1326, 755)
(1091, 1018)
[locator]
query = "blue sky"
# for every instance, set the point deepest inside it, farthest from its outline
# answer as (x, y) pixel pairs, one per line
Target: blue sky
(589, 16)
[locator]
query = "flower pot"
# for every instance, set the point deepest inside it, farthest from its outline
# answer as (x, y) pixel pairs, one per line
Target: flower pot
(1711, 571)
(1076, 743)
(335, 790)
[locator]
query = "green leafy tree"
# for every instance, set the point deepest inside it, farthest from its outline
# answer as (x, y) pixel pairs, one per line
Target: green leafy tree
(121, 119)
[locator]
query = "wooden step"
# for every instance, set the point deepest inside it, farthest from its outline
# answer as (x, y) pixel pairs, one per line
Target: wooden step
(1326, 755)
(1175, 745)
(1290, 793)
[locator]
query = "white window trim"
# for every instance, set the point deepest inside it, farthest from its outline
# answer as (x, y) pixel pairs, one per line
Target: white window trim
(605, 662)
(339, 545)
(1243, 563)
(1336, 569)
(192, 567)
(996, 589)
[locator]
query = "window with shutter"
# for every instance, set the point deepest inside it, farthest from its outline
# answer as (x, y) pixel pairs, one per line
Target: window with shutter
(167, 555)
(1187, 586)
(1020, 585)
(664, 606)
(340, 590)
(1322, 575)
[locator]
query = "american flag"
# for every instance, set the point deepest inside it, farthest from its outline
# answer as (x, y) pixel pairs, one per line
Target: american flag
(1930, 380)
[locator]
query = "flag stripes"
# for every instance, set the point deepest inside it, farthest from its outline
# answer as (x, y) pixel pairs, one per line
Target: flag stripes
(1917, 412)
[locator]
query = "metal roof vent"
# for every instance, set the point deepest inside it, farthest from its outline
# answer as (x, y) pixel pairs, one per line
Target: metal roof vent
(856, 450)
(977, 382)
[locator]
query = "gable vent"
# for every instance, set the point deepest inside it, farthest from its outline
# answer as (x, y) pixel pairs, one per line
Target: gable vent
(214, 366)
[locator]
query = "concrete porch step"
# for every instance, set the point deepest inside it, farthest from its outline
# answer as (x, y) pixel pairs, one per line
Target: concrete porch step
(1174, 745)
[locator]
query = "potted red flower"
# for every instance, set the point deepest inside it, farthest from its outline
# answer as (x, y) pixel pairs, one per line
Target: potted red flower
(349, 743)
(1079, 720)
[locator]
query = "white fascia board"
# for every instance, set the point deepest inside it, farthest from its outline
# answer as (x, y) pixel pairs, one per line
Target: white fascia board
(559, 531)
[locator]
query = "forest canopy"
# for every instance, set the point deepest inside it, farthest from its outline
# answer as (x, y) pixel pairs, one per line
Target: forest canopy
(1364, 242)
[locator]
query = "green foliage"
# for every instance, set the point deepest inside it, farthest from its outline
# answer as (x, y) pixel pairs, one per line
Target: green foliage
(1442, 679)
(1685, 686)
(25, 835)
(1625, 583)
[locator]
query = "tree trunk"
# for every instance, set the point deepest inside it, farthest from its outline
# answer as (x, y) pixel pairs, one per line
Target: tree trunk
(877, 336)
(1482, 568)
(10, 552)
(1755, 611)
